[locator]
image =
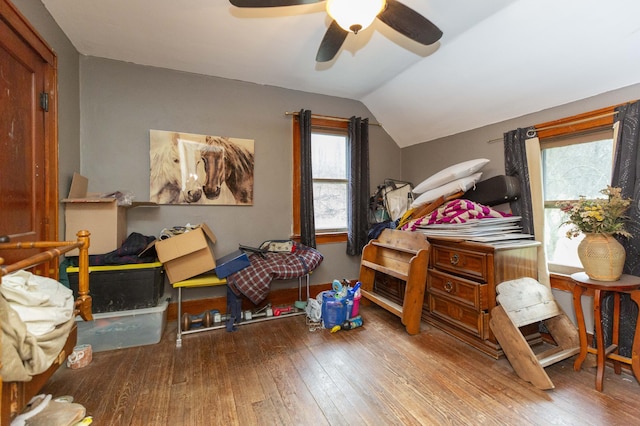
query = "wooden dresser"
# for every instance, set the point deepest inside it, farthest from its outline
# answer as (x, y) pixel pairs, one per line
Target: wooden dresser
(461, 286)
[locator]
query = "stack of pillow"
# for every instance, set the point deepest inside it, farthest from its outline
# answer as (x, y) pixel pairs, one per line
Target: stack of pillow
(459, 177)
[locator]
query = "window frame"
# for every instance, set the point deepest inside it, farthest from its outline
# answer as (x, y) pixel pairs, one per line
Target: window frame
(334, 125)
(569, 128)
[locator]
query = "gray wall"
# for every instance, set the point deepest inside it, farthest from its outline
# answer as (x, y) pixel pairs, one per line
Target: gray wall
(121, 101)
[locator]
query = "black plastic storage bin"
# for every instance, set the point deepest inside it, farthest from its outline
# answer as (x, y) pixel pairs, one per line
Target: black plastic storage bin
(122, 287)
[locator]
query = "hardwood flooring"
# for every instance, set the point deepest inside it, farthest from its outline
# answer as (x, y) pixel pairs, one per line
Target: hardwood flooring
(280, 373)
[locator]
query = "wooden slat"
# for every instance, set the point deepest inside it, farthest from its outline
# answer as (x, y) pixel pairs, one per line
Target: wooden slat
(385, 270)
(554, 355)
(383, 302)
(395, 248)
(530, 314)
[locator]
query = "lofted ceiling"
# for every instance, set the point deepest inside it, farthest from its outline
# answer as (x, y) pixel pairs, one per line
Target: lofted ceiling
(497, 59)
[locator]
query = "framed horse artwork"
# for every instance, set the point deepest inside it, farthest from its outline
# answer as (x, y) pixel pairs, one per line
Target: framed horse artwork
(194, 169)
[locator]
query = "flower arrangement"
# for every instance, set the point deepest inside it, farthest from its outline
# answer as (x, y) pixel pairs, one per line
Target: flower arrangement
(600, 215)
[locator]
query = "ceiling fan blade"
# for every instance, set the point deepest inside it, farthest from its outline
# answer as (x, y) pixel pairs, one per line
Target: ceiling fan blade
(409, 23)
(270, 3)
(331, 42)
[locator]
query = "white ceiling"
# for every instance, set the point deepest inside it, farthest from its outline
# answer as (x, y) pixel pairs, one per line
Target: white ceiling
(497, 59)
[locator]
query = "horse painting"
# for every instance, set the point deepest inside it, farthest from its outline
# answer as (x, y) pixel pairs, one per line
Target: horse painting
(229, 163)
(184, 167)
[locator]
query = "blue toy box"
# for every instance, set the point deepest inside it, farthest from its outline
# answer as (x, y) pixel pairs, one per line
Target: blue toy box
(232, 262)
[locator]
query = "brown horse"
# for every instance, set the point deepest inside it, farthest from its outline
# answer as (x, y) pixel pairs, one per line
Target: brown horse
(230, 163)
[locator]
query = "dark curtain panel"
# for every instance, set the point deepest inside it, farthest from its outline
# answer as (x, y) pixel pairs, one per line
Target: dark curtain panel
(626, 175)
(358, 133)
(515, 164)
(307, 221)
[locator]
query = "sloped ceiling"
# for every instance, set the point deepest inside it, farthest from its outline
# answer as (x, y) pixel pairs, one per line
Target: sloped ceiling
(497, 59)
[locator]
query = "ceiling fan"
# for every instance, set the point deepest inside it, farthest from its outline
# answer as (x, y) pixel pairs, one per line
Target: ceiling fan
(355, 15)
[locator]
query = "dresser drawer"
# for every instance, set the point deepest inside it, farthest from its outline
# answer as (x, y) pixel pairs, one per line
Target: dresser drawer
(460, 290)
(468, 319)
(470, 264)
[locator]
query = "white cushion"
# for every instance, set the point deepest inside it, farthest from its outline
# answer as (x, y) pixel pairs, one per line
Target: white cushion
(451, 173)
(463, 184)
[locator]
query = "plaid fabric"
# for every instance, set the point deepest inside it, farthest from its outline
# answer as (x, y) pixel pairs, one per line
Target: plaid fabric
(254, 281)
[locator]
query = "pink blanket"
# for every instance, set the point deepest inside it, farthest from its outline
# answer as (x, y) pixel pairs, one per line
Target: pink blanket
(455, 211)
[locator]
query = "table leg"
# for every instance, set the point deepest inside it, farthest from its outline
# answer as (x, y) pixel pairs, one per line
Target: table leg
(615, 335)
(635, 349)
(582, 330)
(601, 350)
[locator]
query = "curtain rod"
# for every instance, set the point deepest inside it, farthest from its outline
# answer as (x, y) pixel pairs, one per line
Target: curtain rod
(326, 117)
(584, 120)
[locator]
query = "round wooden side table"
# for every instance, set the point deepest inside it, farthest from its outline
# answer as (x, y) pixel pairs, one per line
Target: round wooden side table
(626, 284)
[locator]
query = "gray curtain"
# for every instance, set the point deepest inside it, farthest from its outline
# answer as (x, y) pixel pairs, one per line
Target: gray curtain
(515, 164)
(357, 214)
(626, 175)
(307, 221)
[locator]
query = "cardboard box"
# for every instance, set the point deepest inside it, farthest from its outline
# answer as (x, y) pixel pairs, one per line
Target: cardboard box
(233, 262)
(186, 255)
(102, 217)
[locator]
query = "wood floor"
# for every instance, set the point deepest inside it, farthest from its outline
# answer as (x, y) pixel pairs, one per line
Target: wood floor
(280, 373)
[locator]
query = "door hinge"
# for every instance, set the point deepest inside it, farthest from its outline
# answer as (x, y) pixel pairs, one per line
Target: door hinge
(44, 101)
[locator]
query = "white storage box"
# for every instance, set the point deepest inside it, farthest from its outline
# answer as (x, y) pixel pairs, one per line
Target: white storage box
(123, 329)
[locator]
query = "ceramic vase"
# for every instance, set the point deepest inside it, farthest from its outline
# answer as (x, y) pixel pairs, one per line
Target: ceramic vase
(602, 257)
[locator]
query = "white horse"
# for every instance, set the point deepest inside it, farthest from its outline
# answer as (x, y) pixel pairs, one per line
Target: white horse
(174, 172)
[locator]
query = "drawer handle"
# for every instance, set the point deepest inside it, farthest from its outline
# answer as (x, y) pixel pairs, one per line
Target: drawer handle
(454, 259)
(448, 286)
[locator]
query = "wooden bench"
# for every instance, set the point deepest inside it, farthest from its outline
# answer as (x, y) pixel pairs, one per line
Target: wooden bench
(403, 255)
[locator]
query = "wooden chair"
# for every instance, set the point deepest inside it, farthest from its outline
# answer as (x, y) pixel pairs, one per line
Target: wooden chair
(522, 302)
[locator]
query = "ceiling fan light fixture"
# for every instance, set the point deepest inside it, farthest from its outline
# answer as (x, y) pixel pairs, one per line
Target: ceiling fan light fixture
(354, 15)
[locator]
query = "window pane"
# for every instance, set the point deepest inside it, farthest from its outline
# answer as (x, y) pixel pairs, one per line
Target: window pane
(569, 172)
(330, 205)
(574, 170)
(328, 156)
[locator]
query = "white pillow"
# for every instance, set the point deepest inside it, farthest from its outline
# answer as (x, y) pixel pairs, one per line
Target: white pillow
(463, 184)
(451, 173)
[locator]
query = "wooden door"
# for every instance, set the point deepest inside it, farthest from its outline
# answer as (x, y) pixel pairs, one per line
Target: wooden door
(28, 165)
(28, 137)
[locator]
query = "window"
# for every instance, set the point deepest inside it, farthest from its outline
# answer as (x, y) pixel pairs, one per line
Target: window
(575, 162)
(330, 181)
(571, 170)
(330, 171)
